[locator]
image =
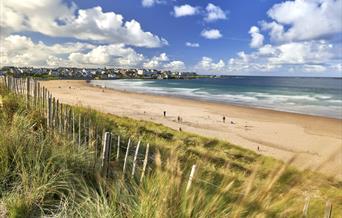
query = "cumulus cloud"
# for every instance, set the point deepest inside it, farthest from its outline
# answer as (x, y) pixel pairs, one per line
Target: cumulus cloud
(117, 55)
(211, 34)
(302, 57)
(305, 20)
(185, 10)
(192, 44)
(300, 34)
(22, 51)
(163, 62)
(214, 13)
(314, 68)
(207, 65)
(150, 3)
(257, 38)
(175, 65)
(156, 61)
(56, 18)
(302, 53)
(311, 56)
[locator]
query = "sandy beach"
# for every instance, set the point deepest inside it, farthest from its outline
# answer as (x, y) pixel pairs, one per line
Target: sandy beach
(315, 141)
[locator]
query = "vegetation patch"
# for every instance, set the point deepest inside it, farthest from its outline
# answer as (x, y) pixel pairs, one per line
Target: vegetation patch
(45, 173)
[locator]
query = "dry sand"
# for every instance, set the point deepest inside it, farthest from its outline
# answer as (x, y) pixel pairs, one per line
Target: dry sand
(316, 141)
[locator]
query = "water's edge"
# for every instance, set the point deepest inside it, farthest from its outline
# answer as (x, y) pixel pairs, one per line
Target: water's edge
(314, 104)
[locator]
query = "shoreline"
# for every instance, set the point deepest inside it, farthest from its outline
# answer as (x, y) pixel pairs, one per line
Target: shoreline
(307, 102)
(217, 102)
(282, 135)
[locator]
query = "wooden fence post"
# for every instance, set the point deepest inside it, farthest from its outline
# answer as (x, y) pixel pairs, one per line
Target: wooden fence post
(135, 158)
(328, 209)
(49, 112)
(193, 168)
(79, 129)
(118, 149)
(125, 161)
(73, 127)
(28, 92)
(90, 134)
(69, 122)
(306, 206)
(145, 163)
(53, 121)
(106, 153)
(85, 131)
(35, 93)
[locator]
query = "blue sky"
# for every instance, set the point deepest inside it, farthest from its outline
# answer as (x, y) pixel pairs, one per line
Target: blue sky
(245, 37)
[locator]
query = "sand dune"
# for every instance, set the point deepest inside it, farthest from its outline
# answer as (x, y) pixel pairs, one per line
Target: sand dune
(316, 141)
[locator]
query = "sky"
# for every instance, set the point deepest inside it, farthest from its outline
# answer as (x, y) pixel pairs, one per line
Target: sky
(223, 37)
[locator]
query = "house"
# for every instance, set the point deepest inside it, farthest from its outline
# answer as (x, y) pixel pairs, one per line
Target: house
(141, 72)
(111, 76)
(54, 72)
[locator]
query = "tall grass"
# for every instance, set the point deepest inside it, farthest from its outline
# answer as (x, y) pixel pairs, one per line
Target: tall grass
(44, 174)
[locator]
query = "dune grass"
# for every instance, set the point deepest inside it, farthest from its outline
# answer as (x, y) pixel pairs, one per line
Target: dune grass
(44, 174)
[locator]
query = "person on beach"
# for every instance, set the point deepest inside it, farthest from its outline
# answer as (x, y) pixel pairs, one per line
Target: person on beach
(224, 119)
(258, 148)
(179, 119)
(164, 113)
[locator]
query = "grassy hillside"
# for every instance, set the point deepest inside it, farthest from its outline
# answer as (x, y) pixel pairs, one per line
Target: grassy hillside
(45, 174)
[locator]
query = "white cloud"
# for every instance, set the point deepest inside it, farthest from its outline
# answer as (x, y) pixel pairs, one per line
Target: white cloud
(163, 62)
(19, 50)
(314, 68)
(150, 3)
(300, 39)
(192, 44)
(337, 67)
(108, 55)
(214, 13)
(301, 57)
(303, 53)
(22, 51)
(175, 65)
(185, 10)
(267, 50)
(211, 34)
(257, 38)
(313, 56)
(306, 20)
(156, 61)
(208, 65)
(56, 18)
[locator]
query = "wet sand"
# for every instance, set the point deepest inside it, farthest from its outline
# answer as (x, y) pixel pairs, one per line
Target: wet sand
(316, 141)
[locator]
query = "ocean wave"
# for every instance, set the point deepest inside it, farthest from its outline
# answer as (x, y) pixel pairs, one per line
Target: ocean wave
(286, 97)
(308, 103)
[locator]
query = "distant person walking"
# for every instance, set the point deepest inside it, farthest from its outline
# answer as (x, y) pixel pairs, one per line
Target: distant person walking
(224, 119)
(164, 113)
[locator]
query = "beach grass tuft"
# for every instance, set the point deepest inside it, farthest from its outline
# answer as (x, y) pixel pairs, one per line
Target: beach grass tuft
(44, 174)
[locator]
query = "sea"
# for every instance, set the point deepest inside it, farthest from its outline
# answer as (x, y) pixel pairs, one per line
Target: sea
(313, 96)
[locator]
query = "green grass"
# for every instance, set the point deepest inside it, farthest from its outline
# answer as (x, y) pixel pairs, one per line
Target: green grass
(44, 174)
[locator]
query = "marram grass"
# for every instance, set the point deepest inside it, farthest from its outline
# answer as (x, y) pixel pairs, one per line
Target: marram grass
(48, 175)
